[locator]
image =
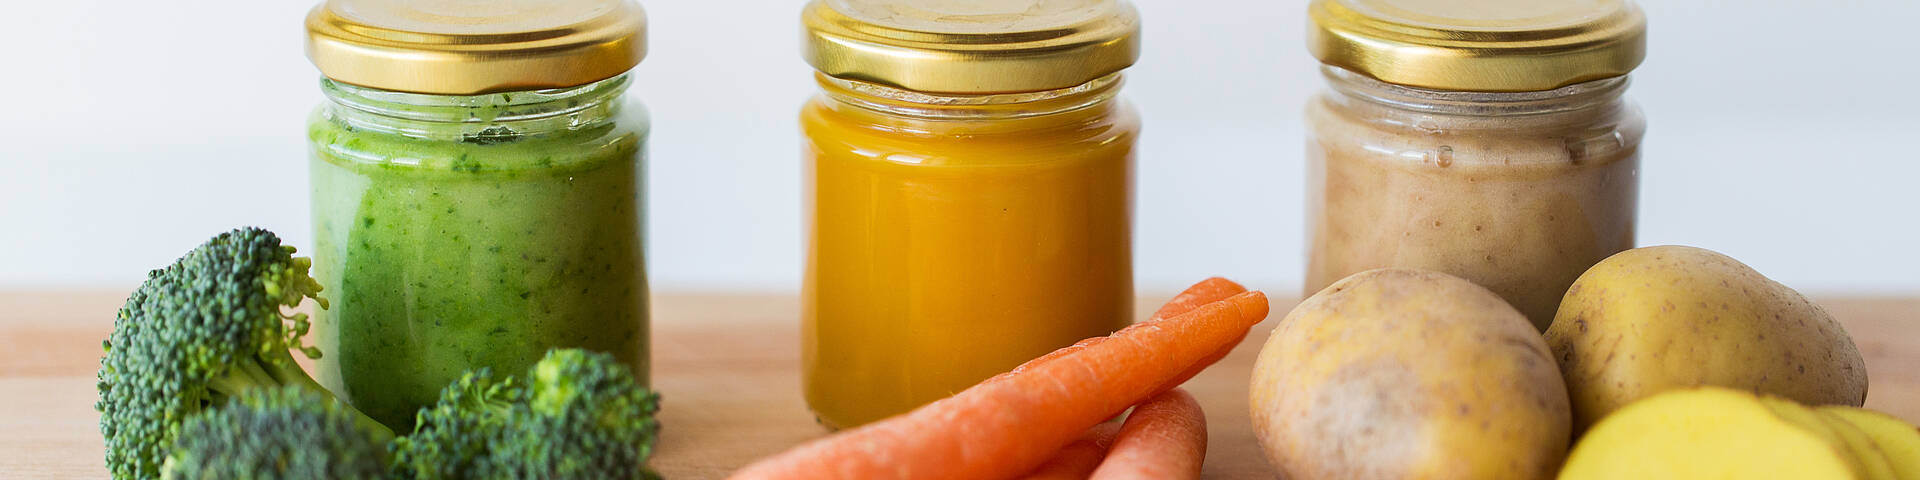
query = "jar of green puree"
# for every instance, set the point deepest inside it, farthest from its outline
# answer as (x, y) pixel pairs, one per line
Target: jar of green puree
(476, 175)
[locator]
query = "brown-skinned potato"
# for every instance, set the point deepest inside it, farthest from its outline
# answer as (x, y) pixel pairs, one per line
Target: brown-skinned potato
(1392, 374)
(1654, 319)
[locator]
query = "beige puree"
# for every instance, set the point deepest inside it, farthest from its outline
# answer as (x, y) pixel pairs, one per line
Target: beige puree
(1518, 192)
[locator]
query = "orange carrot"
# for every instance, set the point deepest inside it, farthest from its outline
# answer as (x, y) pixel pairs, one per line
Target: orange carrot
(1007, 426)
(1078, 459)
(1163, 439)
(1207, 291)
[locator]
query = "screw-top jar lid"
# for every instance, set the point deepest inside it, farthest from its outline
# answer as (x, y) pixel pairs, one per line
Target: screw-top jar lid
(971, 46)
(467, 47)
(1479, 45)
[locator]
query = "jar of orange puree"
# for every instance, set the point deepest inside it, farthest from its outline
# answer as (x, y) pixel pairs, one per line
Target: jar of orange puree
(1488, 139)
(969, 173)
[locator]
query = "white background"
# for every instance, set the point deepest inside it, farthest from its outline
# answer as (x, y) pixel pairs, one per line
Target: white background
(1782, 132)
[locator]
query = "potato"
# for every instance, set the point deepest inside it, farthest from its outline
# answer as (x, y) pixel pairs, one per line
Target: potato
(1706, 432)
(1866, 458)
(1877, 466)
(1393, 374)
(1899, 440)
(1658, 318)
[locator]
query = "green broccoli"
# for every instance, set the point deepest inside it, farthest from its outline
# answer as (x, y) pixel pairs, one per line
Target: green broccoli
(581, 415)
(450, 437)
(586, 417)
(287, 433)
(207, 328)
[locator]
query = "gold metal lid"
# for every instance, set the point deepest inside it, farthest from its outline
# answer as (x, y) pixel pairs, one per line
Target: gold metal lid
(467, 47)
(1479, 45)
(971, 46)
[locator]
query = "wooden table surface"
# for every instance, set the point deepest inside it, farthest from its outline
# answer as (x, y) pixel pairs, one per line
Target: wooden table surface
(728, 366)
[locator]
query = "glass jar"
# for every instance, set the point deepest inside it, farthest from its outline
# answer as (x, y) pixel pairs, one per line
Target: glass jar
(1517, 176)
(457, 230)
(956, 231)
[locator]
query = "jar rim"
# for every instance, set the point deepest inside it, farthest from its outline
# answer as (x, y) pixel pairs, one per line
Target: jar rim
(933, 106)
(1568, 98)
(509, 106)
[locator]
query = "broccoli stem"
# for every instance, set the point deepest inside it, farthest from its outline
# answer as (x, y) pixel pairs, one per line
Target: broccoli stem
(276, 369)
(241, 377)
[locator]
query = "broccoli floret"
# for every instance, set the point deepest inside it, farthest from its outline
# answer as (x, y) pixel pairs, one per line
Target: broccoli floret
(286, 433)
(205, 329)
(450, 437)
(580, 415)
(586, 417)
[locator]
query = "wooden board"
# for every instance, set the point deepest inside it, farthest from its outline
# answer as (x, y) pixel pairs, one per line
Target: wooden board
(728, 366)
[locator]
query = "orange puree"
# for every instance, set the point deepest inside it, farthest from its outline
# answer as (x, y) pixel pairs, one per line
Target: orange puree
(952, 242)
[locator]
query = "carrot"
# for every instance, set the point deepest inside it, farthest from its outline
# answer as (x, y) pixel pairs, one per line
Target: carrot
(1163, 439)
(1207, 291)
(1007, 426)
(1078, 459)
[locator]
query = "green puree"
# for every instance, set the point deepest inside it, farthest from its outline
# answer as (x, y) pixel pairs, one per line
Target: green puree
(481, 249)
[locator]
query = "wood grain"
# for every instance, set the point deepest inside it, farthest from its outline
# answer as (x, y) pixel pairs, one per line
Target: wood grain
(728, 366)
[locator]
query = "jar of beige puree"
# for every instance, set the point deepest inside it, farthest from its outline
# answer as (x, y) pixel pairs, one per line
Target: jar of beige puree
(1487, 139)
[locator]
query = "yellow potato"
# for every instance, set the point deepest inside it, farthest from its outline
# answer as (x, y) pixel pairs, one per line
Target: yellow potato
(1863, 447)
(1658, 318)
(1392, 374)
(1899, 440)
(1871, 464)
(1705, 433)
